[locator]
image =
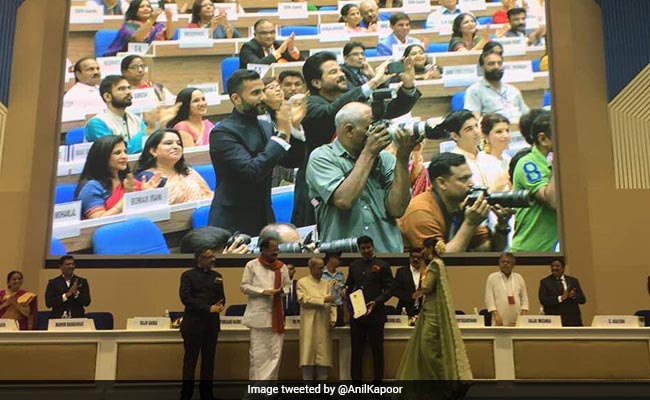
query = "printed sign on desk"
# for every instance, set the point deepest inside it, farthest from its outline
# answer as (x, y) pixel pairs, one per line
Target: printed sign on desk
(232, 322)
(539, 321)
(71, 324)
(513, 46)
(398, 51)
(71, 112)
(194, 38)
(148, 323)
(8, 325)
(518, 71)
(152, 204)
(471, 5)
(65, 220)
(337, 51)
(229, 8)
(470, 321)
(87, 15)
(79, 151)
(616, 321)
(333, 32)
(261, 69)
(292, 322)
(397, 321)
(444, 24)
(210, 91)
(110, 65)
(414, 6)
(459, 75)
(138, 48)
(143, 100)
(293, 10)
(383, 28)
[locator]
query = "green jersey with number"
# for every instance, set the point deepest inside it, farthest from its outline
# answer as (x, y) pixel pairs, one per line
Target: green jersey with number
(536, 226)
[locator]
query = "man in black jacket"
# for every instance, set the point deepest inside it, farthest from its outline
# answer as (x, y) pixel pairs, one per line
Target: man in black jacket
(68, 294)
(561, 295)
(264, 49)
(373, 277)
(329, 93)
(201, 291)
(355, 67)
(407, 284)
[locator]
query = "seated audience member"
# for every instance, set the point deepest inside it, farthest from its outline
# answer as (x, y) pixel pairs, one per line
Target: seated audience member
(506, 296)
(292, 83)
(351, 16)
(357, 187)
(406, 286)
(140, 26)
(501, 16)
(439, 212)
(106, 178)
(369, 15)
(491, 95)
(189, 121)
(543, 62)
(162, 156)
(447, 7)
(356, 68)
(332, 262)
(493, 161)
(116, 120)
(424, 69)
(464, 35)
(85, 92)
(18, 304)
(135, 70)
(212, 237)
(264, 49)
(111, 7)
(467, 139)
(536, 226)
(67, 294)
(561, 294)
(400, 24)
(203, 17)
(517, 21)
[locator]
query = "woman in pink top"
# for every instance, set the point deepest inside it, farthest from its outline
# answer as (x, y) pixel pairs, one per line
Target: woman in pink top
(351, 15)
(194, 130)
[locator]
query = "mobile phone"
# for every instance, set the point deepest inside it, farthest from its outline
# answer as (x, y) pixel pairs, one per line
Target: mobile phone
(396, 67)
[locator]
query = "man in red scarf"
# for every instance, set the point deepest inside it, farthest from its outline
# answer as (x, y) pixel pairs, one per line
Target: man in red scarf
(265, 281)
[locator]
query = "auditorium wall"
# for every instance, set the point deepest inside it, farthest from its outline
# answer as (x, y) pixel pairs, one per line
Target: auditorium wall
(603, 228)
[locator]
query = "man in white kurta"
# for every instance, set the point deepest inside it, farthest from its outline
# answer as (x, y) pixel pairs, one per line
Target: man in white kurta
(505, 293)
(259, 284)
(317, 316)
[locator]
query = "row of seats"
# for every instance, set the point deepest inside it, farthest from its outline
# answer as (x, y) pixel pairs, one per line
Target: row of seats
(458, 100)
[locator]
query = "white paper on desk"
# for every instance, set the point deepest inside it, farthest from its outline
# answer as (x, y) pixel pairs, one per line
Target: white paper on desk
(194, 38)
(138, 48)
(413, 6)
(459, 75)
(444, 24)
(65, 220)
(292, 10)
(337, 51)
(518, 71)
(261, 69)
(210, 91)
(513, 46)
(110, 65)
(398, 51)
(383, 28)
(87, 15)
(143, 100)
(152, 204)
(334, 32)
(358, 303)
(230, 9)
(70, 112)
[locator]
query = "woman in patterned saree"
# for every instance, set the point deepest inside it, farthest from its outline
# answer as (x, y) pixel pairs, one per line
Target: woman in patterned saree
(18, 304)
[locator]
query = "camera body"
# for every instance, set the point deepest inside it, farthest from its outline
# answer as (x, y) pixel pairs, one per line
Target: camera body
(514, 199)
(245, 239)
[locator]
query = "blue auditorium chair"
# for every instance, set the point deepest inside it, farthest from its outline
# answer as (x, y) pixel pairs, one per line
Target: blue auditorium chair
(103, 39)
(547, 99)
(268, 10)
(486, 20)
(458, 101)
(64, 192)
(235, 310)
(42, 319)
(371, 52)
(103, 320)
(328, 8)
(57, 248)
(75, 136)
(536, 65)
(282, 204)
(200, 217)
(228, 66)
(207, 172)
(299, 30)
(437, 47)
(134, 236)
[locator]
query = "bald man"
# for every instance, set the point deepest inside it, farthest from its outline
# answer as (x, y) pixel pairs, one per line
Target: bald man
(356, 187)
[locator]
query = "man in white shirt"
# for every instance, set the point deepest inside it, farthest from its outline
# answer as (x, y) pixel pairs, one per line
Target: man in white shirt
(265, 281)
(447, 8)
(85, 92)
(505, 293)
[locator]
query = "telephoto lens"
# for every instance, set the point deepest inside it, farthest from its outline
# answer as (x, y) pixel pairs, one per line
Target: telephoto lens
(514, 199)
(347, 245)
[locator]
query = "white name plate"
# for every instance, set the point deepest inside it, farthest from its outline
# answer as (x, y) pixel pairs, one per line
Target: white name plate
(110, 65)
(410, 6)
(65, 220)
(470, 321)
(152, 204)
(333, 32)
(398, 51)
(143, 100)
(63, 153)
(229, 8)
(72, 112)
(338, 51)
(471, 5)
(79, 151)
(71, 324)
(383, 28)
(518, 71)
(210, 91)
(397, 320)
(194, 38)
(86, 15)
(292, 322)
(444, 24)
(513, 46)
(8, 325)
(616, 321)
(292, 10)
(148, 323)
(539, 321)
(459, 75)
(261, 69)
(231, 322)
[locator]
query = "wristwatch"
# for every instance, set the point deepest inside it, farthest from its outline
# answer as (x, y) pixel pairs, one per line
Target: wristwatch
(282, 135)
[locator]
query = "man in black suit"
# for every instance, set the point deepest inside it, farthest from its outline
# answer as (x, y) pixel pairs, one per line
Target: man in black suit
(407, 284)
(329, 93)
(264, 49)
(244, 151)
(291, 305)
(561, 295)
(355, 67)
(373, 276)
(68, 294)
(201, 291)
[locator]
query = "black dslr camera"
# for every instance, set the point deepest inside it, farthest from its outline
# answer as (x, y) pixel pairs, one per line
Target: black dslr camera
(514, 199)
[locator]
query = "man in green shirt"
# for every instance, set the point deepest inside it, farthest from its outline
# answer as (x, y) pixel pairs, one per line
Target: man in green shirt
(536, 226)
(356, 188)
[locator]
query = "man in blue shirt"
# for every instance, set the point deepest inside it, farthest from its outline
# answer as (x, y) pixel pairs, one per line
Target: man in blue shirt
(400, 23)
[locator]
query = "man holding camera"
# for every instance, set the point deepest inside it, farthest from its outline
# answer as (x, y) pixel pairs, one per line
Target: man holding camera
(355, 186)
(444, 213)
(329, 93)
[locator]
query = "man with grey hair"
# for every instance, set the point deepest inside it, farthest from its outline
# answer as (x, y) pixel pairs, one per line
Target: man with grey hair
(356, 188)
(282, 232)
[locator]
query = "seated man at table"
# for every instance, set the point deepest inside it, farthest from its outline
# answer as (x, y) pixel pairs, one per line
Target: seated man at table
(490, 94)
(264, 49)
(370, 15)
(517, 21)
(356, 68)
(400, 24)
(447, 7)
(85, 92)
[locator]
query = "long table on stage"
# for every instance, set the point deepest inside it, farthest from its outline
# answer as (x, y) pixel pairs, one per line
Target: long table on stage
(495, 353)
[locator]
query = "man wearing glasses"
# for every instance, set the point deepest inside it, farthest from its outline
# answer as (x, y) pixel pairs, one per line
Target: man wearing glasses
(264, 49)
(355, 67)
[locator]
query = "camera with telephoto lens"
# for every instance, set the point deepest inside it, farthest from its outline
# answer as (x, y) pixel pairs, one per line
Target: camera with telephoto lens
(346, 245)
(514, 199)
(244, 239)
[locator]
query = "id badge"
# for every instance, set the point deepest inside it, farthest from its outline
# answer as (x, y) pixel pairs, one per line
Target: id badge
(511, 299)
